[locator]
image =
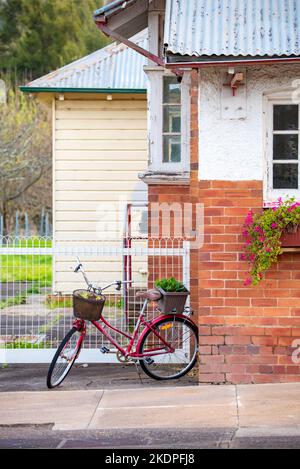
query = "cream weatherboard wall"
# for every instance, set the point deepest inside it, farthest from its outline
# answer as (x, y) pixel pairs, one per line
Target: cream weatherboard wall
(100, 146)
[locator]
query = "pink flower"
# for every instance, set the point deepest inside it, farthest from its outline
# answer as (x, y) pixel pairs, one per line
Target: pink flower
(245, 233)
(292, 207)
(268, 250)
(247, 282)
(249, 218)
(262, 239)
(279, 201)
(274, 225)
(257, 229)
(243, 257)
(252, 257)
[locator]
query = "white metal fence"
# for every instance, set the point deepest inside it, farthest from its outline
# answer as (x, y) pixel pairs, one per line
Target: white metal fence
(37, 280)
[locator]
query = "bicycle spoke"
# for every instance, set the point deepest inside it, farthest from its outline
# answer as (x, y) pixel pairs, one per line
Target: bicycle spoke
(64, 358)
(181, 338)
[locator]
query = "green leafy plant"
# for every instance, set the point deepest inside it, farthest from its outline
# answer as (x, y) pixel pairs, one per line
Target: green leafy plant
(262, 233)
(90, 296)
(13, 301)
(170, 285)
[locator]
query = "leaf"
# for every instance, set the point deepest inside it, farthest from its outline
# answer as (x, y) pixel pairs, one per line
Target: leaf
(170, 285)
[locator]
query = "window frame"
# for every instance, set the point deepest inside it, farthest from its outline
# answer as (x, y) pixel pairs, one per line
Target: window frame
(271, 194)
(155, 123)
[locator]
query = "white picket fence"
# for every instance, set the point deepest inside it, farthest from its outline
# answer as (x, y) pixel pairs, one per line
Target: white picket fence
(37, 280)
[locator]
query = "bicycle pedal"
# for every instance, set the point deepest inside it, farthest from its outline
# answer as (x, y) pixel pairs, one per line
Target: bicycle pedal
(104, 350)
(149, 361)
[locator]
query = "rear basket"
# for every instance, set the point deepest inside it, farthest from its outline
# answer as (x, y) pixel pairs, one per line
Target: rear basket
(88, 305)
(172, 301)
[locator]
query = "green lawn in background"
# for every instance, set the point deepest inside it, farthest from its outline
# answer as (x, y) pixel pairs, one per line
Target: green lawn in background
(35, 269)
(26, 268)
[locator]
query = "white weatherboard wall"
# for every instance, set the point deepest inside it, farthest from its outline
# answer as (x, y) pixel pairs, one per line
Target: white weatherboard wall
(233, 149)
(100, 146)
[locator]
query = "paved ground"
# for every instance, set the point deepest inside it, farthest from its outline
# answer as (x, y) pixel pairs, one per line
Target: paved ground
(95, 376)
(127, 414)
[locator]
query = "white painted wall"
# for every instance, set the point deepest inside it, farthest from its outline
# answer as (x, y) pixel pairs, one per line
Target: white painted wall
(233, 149)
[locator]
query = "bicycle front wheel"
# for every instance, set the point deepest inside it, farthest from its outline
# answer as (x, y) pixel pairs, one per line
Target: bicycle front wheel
(64, 358)
(182, 336)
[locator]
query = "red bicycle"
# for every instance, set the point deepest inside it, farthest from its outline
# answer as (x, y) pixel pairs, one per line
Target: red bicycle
(166, 347)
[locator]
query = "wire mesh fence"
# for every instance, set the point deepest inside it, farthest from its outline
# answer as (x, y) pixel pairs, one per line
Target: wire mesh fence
(37, 280)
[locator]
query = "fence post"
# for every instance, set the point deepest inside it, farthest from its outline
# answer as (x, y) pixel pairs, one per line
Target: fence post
(1, 227)
(47, 224)
(42, 231)
(17, 227)
(186, 264)
(27, 231)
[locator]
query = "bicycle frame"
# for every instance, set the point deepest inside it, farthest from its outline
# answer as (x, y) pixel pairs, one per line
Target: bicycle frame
(165, 348)
(127, 352)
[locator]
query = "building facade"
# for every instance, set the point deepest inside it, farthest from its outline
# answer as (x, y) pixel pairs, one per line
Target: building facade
(223, 128)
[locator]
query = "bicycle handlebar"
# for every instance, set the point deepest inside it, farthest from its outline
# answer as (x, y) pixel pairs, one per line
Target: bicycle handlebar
(118, 283)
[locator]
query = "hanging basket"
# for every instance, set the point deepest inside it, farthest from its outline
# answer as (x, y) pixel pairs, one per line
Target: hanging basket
(291, 238)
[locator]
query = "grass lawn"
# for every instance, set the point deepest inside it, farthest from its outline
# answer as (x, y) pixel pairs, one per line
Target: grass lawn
(26, 268)
(32, 268)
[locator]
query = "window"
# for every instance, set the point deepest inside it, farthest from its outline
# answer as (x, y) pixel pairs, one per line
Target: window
(169, 123)
(285, 146)
(171, 120)
(283, 150)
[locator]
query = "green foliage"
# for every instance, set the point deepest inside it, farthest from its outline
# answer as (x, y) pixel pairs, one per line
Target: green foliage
(59, 302)
(262, 233)
(27, 268)
(13, 301)
(42, 35)
(25, 345)
(25, 148)
(170, 285)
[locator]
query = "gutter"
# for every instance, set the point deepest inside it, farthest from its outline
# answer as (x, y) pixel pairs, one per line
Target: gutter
(28, 89)
(231, 63)
(110, 6)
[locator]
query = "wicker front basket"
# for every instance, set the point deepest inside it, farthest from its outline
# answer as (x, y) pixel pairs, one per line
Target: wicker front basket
(88, 305)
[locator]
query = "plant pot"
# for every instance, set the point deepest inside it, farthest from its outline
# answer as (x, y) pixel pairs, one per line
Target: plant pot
(172, 301)
(291, 239)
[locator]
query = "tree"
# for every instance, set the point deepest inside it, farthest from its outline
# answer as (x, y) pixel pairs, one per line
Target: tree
(42, 35)
(25, 148)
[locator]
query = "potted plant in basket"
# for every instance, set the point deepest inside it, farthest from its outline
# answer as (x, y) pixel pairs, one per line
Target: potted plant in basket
(174, 295)
(265, 233)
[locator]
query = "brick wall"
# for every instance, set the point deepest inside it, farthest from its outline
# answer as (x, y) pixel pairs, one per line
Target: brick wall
(246, 333)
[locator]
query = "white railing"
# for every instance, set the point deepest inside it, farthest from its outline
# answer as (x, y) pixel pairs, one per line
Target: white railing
(37, 281)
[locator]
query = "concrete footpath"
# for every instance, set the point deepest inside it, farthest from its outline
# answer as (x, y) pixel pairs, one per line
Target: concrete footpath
(200, 416)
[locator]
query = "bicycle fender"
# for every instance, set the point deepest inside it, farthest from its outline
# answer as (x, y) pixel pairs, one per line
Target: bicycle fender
(158, 319)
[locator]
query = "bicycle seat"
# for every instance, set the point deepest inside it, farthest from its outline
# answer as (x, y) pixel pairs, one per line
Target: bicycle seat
(152, 295)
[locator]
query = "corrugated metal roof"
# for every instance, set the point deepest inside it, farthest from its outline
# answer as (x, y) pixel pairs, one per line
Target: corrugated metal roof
(233, 27)
(113, 67)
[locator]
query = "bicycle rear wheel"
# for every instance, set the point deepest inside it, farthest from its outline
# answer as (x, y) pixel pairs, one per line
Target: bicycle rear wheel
(182, 336)
(64, 358)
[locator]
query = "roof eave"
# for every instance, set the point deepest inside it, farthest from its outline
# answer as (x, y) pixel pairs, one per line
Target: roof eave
(112, 8)
(29, 89)
(194, 62)
(125, 18)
